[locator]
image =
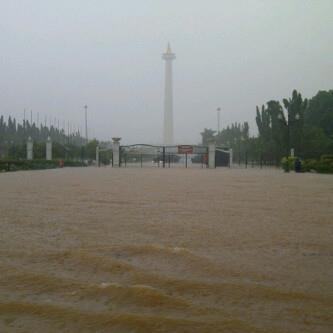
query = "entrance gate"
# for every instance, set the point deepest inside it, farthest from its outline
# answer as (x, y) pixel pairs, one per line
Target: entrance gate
(140, 155)
(144, 155)
(223, 157)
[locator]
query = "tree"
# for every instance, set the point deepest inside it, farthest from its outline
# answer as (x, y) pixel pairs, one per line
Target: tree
(320, 112)
(279, 132)
(263, 120)
(278, 129)
(206, 135)
(295, 107)
(318, 127)
(91, 149)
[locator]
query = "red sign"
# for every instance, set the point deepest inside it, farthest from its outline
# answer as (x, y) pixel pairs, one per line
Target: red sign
(185, 149)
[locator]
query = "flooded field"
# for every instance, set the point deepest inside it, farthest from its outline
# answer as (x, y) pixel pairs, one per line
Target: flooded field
(166, 250)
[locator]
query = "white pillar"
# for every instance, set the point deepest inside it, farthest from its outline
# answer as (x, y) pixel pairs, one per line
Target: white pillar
(116, 152)
(211, 154)
(168, 56)
(230, 157)
(292, 152)
(97, 156)
(30, 149)
(49, 149)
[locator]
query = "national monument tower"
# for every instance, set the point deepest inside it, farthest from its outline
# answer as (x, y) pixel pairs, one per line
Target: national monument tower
(168, 56)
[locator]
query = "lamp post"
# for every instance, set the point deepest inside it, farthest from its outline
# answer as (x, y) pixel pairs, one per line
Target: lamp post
(218, 119)
(86, 121)
(12, 144)
(289, 122)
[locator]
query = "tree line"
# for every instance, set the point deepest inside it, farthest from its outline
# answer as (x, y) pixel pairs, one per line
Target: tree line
(69, 146)
(13, 132)
(298, 123)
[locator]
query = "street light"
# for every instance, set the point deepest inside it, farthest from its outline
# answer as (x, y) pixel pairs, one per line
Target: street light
(86, 121)
(218, 119)
(289, 122)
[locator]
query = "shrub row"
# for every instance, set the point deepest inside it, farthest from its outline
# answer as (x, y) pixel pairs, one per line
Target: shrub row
(15, 165)
(323, 165)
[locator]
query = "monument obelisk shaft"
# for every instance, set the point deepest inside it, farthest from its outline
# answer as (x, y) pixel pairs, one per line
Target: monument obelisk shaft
(168, 56)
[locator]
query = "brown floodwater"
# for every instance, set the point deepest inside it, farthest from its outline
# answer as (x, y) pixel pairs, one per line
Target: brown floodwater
(166, 250)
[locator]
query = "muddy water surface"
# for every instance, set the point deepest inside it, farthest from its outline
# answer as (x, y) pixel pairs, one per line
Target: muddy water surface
(153, 250)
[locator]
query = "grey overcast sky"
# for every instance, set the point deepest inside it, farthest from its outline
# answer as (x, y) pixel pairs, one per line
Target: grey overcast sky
(56, 56)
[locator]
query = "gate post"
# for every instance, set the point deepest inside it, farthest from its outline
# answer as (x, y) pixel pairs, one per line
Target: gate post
(97, 156)
(164, 157)
(230, 157)
(116, 152)
(49, 149)
(30, 149)
(211, 154)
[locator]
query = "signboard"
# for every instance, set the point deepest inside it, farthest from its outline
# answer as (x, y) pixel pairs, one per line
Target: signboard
(200, 150)
(185, 149)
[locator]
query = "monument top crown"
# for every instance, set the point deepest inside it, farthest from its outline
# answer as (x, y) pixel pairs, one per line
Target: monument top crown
(168, 48)
(168, 55)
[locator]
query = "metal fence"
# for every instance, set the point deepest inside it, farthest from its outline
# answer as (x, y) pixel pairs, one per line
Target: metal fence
(143, 155)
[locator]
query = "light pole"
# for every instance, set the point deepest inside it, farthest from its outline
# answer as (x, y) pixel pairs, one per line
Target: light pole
(218, 119)
(289, 122)
(86, 121)
(24, 123)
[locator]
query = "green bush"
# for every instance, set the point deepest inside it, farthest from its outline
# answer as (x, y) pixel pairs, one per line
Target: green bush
(69, 163)
(288, 163)
(16, 165)
(42, 164)
(324, 165)
(327, 158)
(308, 165)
